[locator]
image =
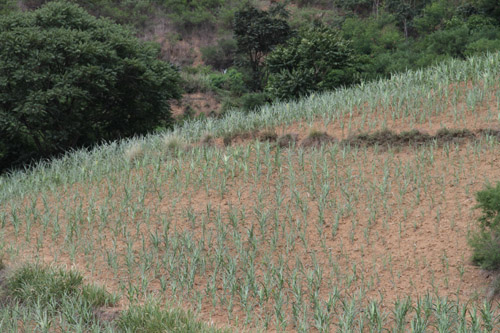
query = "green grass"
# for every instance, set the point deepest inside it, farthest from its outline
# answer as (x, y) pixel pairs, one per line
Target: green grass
(47, 299)
(151, 317)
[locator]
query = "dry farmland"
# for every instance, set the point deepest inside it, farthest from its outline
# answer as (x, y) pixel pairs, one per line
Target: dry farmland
(343, 228)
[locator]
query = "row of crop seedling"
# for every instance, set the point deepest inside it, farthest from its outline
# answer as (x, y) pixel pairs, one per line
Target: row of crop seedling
(408, 92)
(306, 172)
(299, 204)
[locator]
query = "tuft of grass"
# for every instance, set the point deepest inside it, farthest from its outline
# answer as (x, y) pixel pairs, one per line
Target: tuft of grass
(173, 144)
(414, 137)
(97, 296)
(388, 138)
(151, 318)
(485, 242)
(34, 284)
(52, 289)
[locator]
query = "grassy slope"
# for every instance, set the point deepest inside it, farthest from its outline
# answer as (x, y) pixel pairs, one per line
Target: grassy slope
(290, 239)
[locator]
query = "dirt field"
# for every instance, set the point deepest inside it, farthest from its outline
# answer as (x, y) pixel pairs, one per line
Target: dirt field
(256, 236)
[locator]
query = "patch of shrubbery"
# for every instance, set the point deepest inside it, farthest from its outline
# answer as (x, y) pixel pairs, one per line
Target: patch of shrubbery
(69, 80)
(485, 242)
(317, 59)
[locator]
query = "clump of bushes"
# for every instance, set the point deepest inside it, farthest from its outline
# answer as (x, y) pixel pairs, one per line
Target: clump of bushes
(69, 80)
(485, 242)
(317, 59)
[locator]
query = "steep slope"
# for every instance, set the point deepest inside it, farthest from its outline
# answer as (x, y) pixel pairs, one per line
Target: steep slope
(333, 237)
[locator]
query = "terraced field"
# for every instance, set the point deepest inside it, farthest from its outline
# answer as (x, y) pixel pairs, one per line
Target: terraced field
(347, 211)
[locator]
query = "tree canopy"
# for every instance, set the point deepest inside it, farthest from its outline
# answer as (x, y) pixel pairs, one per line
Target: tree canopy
(68, 80)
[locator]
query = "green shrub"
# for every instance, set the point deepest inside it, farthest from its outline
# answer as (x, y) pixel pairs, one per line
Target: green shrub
(68, 80)
(316, 60)
(253, 101)
(485, 242)
(257, 32)
(190, 15)
(7, 6)
(231, 80)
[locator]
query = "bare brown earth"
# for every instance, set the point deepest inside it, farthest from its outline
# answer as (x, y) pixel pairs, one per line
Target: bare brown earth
(403, 231)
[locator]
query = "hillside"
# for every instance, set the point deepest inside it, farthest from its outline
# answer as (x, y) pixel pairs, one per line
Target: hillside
(341, 227)
(385, 37)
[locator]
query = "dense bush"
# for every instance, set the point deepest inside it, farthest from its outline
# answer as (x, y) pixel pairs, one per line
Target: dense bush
(317, 59)
(231, 80)
(7, 6)
(68, 79)
(257, 32)
(486, 242)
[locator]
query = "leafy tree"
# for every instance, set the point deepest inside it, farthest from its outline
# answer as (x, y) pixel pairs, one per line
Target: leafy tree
(317, 59)
(257, 32)
(374, 41)
(68, 79)
(434, 16)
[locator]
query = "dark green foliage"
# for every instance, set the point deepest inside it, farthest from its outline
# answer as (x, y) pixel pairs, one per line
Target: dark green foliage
(317, 59)
(231, 80)
(189, 15)
(357, 6)
(220, 56)
(252, 101)
(379, 45)
(434, 16)
(69, 80)
(135, 13)
(489, 8)
(257, 32)
(485, 242)
(459, 38)
(7, 6)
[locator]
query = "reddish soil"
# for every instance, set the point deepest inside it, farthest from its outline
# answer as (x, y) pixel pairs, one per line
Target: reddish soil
(416, 242)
